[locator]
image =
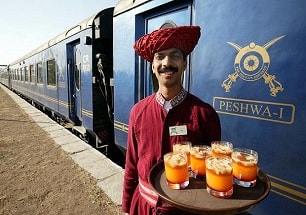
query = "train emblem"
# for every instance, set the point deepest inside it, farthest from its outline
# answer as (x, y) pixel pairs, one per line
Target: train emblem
(252, 63)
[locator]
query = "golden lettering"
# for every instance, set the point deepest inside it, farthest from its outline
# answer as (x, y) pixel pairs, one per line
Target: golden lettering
(246, 108)
(266, 111)
(228, 106)
(261, 110)
(255, 109)
(222, 104)
(281, 111)
(236, 107)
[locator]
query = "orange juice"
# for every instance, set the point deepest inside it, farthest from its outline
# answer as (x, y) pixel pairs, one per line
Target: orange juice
(197, 160)
(219, 148)
(245, 167)
(176, 170)
(183, 147)
(219, 176)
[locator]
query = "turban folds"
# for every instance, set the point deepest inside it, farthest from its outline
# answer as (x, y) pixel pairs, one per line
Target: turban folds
(184, 38)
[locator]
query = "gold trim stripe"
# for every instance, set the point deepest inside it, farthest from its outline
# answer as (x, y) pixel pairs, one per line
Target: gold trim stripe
(297, 195)
(87, 113)
(121, 126)
(288, 182)
(51, 99)
(289, 190)
(54, 100)
(289, 197)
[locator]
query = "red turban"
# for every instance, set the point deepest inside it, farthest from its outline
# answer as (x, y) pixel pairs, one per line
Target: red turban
(184, 38)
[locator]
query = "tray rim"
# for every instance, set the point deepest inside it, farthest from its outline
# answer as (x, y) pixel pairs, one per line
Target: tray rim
(159, 166)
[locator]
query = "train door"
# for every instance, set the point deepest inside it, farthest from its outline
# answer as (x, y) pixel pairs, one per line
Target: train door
(9, 77)
(172, 16)
(77, 83)
(74, 72)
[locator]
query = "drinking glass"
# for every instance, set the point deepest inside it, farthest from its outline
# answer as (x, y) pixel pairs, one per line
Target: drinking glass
(176, 170)
(245, 167)
(184, 146)
(221, 148)
(219, 176)
(198, 153)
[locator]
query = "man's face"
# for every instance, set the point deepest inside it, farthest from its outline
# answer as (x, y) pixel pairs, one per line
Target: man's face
(168, 66)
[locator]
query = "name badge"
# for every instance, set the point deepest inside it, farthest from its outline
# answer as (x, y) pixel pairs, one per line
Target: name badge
(178, 130)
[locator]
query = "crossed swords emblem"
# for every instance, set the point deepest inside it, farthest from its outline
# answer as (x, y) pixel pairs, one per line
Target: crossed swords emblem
(252, 63)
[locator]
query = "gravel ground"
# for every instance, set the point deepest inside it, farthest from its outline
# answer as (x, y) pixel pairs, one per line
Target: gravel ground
(37, 176)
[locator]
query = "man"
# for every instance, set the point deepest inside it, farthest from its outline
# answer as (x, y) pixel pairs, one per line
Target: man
(153, 118)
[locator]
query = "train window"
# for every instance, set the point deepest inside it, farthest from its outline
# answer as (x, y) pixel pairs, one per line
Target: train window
(21, 74)
(39, 73)
(26, 74)
(51, 72)
(32, 73)
(77, 76)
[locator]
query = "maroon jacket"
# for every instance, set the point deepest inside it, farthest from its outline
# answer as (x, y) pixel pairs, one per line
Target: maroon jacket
(149, 139)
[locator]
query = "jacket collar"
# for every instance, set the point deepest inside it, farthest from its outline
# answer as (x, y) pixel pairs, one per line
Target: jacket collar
(173, 102)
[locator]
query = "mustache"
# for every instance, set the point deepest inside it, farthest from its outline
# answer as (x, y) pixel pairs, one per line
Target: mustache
(168, 69)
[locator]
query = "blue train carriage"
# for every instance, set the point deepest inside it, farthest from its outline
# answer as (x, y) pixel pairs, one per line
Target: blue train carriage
(69, 77)
(248, 65)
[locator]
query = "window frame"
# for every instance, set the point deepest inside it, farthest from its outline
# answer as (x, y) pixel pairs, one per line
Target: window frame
(51, 72)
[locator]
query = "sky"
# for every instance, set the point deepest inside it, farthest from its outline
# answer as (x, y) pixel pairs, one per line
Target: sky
(27, 24)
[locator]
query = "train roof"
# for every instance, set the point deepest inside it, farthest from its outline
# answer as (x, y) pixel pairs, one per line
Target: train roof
(85, 24)
(124, 5)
